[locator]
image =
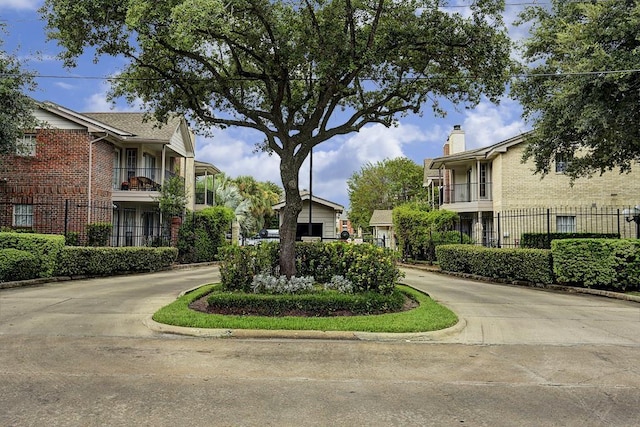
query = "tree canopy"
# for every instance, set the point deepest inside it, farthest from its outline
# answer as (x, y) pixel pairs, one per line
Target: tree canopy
(16, 108)
(583, 92)
(299, 71)
(384, 185)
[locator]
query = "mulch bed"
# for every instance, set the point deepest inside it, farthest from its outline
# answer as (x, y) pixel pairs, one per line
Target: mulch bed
(201, 305)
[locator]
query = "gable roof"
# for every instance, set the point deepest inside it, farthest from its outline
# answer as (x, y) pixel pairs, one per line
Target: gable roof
(138, 125)
(430, 175)
(126, 126)
(484, 153)
(305, 196)
(381, 217)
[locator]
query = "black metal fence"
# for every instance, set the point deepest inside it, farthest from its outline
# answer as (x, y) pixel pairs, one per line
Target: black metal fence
(131, 225)
(505, 229)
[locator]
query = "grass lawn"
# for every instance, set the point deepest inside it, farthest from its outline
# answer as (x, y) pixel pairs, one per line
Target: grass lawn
(428, 316)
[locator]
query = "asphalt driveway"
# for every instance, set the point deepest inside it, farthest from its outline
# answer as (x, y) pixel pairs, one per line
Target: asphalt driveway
(78, 354)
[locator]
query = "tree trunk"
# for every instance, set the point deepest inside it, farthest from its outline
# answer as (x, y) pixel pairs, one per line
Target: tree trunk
(289, 223)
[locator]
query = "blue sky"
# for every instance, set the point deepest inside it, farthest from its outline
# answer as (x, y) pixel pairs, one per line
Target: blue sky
(232, 150)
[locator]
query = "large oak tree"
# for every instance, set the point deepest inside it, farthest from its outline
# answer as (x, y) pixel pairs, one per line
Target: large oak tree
(299, 71)
(582, 95)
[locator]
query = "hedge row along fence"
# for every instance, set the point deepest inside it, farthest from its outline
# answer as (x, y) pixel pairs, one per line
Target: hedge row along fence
(530, 265)
(368, 267)
(599, 263)
(543, 240)
(28, 256)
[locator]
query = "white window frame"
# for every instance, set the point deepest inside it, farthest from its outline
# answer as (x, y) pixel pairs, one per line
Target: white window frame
(562, 162)
(26, 146)
(565, 223)
(23, 216)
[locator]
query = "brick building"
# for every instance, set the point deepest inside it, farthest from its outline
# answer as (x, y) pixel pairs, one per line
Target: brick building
(481, 183)
(78, 169)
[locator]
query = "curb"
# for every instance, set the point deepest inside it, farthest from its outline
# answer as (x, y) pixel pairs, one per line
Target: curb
(305, 334)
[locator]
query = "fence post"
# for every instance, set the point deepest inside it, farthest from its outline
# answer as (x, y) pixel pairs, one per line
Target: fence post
(499, 233)
(548, 226)
(66, 216)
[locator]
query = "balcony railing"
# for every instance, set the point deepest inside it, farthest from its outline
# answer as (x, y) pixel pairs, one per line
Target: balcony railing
(204, 197)
(465, 193)
(139, 179)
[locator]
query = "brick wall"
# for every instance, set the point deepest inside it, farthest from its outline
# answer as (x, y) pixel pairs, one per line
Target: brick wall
(515, 186)
(59, 171)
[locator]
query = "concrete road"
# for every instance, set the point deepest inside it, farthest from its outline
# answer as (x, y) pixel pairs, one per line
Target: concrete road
(505, 314)
(77, 354)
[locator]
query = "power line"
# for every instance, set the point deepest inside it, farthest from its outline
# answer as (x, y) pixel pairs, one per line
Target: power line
(520, 75)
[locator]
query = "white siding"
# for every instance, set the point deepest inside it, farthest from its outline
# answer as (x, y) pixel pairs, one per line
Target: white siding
(56, 121)
(320, 213)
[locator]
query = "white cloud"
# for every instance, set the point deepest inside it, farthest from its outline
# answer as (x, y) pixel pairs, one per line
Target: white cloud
(20, 4)
(232, 151)
(65, 86)
(98, 102)
(488, 123)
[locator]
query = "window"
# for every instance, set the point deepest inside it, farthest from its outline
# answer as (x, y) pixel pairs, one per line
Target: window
(26, 146)
(563, 160)
(566, 224)
(23, 215)
(149, 166)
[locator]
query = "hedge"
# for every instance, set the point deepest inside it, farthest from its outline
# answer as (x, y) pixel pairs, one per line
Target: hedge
(104, 261)
(531, 265)
(202, 234)
(543, 240)
(46, 248)
(321, 304)
(367, 266)
(602, 263)
(18, 265)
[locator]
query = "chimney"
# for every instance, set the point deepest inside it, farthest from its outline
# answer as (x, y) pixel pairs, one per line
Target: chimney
(455, 143)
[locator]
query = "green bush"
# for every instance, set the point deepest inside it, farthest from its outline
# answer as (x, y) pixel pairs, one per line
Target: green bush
(18, 265)
(98, 233)
(368, 267)
(601, 263)
(329, 303)
(420, 230)
(531, 265)
(202, 234)
(46, 247)
(543, 240)
(72, 238)
(105, 261)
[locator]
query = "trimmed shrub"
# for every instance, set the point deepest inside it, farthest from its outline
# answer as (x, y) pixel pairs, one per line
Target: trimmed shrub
(72, 238)
(104, 261)
(531, 265)
(46, 248)
(321, 304)
(601, 263)
(98, 233)
(367, 267)
(420, 230)
(18, 265)
(202, 234)
(543, 240)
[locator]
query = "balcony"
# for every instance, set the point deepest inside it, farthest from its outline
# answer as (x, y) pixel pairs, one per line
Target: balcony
(139, 179)
(204, 197)
(471, 196)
